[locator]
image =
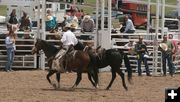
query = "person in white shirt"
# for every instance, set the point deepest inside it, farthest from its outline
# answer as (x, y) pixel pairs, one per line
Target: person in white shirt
(69, 38)
(129, 25)
(130, 46)
(11, 47)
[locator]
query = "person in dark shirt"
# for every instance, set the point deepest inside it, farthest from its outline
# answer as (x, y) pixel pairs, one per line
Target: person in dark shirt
(25, 23)
(12, 20)
(142, 55)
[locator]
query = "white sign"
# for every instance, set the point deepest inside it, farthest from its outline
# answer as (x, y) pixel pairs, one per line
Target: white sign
(17, 2)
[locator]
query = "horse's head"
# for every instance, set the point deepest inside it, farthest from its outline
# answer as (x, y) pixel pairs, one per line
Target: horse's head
(37, 46)
(90, 51)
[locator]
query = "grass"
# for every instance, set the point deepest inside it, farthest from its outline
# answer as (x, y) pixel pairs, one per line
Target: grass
(3, 10)
(92, 6)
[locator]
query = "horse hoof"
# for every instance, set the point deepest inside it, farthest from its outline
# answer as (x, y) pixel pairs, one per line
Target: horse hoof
(131, 81)
(126, 88)
(97, 86)
(74, 86)
(54, 85)
(107, 88)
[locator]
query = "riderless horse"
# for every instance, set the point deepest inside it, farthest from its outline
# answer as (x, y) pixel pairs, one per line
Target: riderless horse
(114, 59)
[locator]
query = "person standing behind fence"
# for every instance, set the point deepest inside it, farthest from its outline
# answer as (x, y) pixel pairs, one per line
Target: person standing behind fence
(166, 47)
(10, 45)
(175, 46)
(12, 20)
(142, 55)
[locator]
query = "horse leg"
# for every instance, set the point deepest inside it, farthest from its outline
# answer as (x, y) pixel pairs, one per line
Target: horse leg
(51, 72)
(78, 79)
(58, 79)
(119, 71)
(89, 77)
(112, 79)
(96, 77)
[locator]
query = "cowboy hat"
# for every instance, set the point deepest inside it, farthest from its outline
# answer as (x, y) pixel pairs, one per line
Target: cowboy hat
(68, 25)
(163, 46)
(87, 17)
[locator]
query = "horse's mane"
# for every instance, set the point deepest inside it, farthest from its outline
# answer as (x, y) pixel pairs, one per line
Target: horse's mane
(49, 45)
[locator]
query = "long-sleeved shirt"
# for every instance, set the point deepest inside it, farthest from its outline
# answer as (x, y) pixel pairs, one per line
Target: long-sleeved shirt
(129, 25)
(9, 43)
(69, 38)
(87, 25)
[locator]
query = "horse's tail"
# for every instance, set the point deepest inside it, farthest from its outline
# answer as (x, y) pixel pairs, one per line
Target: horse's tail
(127, 65)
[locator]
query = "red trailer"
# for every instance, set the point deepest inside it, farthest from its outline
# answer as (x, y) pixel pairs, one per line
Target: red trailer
(138, 12)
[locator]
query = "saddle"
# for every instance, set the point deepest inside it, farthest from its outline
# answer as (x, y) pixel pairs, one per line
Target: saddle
(62, 58)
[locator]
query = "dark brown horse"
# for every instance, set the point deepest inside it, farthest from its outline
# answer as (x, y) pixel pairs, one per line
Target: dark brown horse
(79, 63)
(114, 59)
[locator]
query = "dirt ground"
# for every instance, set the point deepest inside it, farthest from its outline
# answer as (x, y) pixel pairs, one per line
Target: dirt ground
(32, 86)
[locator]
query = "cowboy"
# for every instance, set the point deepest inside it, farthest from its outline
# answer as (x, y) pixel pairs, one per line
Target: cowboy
(166, 47)
(142, 52)
(68, 39)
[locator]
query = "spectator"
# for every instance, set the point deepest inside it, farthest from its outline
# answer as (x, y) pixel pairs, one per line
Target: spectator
(10, 45)
(166, 47)
(73, 21)
(12, 20)
(82, 13)
(51, 23)
(129, 25)
(175, 46)
(25, 23)
(78, 15)
(65, 21)
(142, 55)
(87, 24)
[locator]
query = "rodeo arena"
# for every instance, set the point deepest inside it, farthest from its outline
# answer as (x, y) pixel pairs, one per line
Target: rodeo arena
(126, 51)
